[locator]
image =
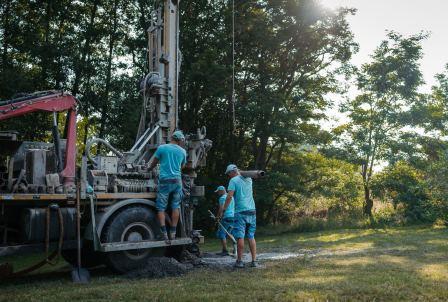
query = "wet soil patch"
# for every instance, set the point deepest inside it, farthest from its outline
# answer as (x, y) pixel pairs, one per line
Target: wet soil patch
(160, 267)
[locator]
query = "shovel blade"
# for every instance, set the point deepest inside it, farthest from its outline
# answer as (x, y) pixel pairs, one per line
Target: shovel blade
(80, 275)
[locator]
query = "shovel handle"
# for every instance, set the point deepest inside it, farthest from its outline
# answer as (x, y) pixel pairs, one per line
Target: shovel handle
(78, 225)
(225, 230)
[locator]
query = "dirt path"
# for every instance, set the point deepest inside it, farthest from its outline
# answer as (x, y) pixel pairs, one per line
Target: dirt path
(214, 260)
(165, 267)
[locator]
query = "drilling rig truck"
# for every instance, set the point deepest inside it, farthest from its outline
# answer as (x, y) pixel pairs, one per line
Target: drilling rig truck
(43, 190)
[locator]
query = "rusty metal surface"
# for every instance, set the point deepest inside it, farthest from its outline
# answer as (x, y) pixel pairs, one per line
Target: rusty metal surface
(34, 197)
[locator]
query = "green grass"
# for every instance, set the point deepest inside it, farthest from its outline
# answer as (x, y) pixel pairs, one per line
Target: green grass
(409, 263)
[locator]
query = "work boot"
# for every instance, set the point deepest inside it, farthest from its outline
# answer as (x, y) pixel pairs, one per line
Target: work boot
(254, 264)
(223, 253)
(173, 233)
(239, 264)
(164, 237)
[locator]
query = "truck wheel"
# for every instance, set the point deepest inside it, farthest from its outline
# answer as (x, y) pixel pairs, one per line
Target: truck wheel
(135, 223)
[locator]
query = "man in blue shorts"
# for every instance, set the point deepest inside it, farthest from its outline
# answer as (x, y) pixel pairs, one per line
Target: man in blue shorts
(240, 188)
(172, 158)
(227, 219)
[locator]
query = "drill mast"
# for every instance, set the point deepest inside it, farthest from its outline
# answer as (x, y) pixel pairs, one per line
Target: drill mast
(160, 85)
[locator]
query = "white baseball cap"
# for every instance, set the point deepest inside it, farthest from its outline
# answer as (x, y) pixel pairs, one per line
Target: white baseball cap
(231, 168)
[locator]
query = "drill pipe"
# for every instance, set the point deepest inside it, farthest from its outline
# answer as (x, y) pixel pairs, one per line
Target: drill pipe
(253, 174)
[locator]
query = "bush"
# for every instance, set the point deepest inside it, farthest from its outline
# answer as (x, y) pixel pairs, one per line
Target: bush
(404, 186)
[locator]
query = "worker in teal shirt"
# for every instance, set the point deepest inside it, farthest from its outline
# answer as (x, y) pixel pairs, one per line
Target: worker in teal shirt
(245, 220)
(172, 158)
(227, 219)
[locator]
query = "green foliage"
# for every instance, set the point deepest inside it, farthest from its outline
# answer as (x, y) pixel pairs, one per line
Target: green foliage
(432, 114)
(311, 184)
(290, 57)
(85, 47)
(404, 185)
(388, 86)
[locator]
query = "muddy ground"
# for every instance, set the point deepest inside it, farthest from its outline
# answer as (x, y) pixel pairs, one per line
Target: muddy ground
(165, 267)
(160, 267)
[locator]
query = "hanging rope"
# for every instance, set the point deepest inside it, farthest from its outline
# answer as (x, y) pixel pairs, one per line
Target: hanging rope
(234, 122)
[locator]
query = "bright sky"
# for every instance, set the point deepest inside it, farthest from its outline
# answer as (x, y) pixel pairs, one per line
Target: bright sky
(407, 17)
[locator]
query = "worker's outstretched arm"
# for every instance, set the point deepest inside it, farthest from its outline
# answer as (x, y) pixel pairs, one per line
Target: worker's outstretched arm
(154, 162)
(220, 210)
(226, 203)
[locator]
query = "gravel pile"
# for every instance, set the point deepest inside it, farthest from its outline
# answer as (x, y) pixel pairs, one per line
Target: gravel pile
(160, 267)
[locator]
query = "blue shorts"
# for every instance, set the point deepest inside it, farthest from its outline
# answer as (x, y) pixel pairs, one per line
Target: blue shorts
(228, 224)
(165, 189)
(245, 225)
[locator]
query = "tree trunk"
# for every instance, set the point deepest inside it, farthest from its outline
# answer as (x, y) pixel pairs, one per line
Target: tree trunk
(86, 129)
(368, 202)
(105, 106)
(45, 59)
(59, 74)
(79, 67)
(6, 16)
(260, 162)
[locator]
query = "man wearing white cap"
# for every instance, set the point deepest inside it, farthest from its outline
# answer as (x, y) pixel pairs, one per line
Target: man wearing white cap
(227, 219)
(172, 158)
(245, 220)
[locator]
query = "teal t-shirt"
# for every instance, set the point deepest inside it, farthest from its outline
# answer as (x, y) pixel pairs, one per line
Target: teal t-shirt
(244, 198)
(171, 158)
(230, 211)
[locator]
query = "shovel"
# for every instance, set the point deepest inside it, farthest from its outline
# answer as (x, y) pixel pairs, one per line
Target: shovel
(79, 274)
(227, 232)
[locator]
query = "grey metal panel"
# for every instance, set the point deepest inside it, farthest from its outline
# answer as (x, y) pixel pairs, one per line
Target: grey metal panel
(108, 164)
(197, 191)
(36, 165)
(124, 246)
(28, 145)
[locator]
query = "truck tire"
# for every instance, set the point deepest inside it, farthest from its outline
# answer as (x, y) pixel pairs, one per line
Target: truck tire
(133, 223)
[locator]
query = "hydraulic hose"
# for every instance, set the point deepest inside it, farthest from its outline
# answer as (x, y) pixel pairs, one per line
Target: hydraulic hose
(47, 235)
(93, 141)
(49, 258)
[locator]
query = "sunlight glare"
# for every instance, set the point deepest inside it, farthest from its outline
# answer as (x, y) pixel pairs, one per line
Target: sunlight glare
(332, 4)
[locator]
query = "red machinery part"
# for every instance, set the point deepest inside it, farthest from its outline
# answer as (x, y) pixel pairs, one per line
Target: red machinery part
(55, 102)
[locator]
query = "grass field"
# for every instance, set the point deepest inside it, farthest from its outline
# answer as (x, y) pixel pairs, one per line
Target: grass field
(360, 265)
